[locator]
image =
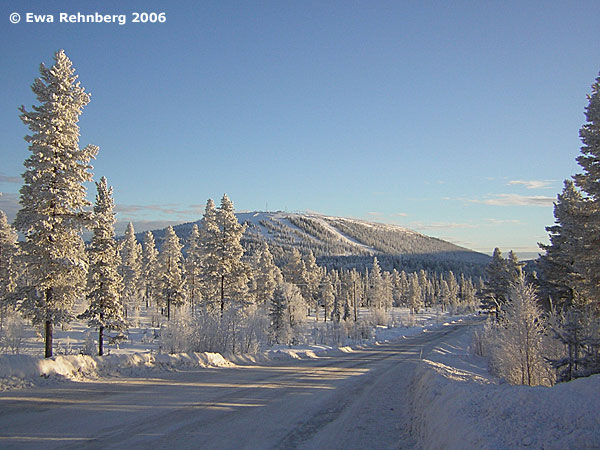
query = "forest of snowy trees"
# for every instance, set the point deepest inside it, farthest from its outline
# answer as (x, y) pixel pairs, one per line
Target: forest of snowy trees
(548, 321)
(218, 296)
(213, 297)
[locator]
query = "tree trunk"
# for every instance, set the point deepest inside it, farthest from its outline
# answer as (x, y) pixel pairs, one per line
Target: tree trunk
(48, 331)
(48, 340)
(169, 306)
(222, 294)
(101, 341)
(354, 301)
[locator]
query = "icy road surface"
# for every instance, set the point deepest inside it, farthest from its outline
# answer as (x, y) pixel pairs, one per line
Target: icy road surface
(354, 400)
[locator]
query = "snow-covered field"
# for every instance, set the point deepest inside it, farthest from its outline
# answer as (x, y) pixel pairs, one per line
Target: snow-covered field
(458, 405)
(140, 352)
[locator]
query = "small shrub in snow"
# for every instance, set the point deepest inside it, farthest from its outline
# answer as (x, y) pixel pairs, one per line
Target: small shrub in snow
(480, 343)
(516, 350)
(177, 335)
(238, 330)
(89, 345)
(409, 321)
(358, 332)
(12, 333)
(378, 316)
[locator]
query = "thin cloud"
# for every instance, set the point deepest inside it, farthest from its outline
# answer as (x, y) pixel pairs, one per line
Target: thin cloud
(168, 209)
(158, 212)
(7, 179)
(532, 184)
(492, 221)
(9, 203)
(459, 242)
(400, 214)
(514, 200)
(441, 225)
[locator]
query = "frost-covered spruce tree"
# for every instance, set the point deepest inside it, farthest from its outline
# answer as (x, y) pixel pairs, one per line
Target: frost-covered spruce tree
(170, 273)
(497, 285)
(415, 295)
(149, 269)
(294, 270)
(559, 276)
(267, 276)
(233, 272)
(388, 297)
(130, 269)
(8, 271)
(467, 293)
(327, 295)
(296, 307)
(279, 328)
(355, 282)
(209, 241)
(515, 269)
(336, 309)
(311, 277)
(105, 310)
(193, 268)
(404, 287)
(589, 182)
(53, 198)
(453, 289)
(375, 286)
(286, 313)
(396, 288)
(444, 295)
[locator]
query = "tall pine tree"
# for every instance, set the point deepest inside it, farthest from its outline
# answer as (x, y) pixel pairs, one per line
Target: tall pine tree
(170, 272)
(232, 271)
(130, 269)
(209, 242)
(589, 182)
(193, 268)
(267, 276)
(53, 198)
(105, 311)
(559, 276)
(149, 267)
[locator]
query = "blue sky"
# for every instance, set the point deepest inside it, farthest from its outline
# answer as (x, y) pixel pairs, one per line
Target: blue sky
(458, 119)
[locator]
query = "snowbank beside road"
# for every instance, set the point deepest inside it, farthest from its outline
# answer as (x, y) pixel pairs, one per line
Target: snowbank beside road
(25, 370)
(457, 405)
(18, 371)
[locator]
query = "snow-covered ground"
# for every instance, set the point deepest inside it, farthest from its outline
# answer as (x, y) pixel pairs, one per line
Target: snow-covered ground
(139, 353)
(458, 405)
(408, 387)
(342, 399)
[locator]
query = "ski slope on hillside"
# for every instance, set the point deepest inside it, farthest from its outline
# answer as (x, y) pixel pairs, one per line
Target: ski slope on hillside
(283, 219)
(339, 234)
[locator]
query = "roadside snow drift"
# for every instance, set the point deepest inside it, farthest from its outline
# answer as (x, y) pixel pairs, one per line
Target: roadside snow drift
(78, 367)
(458, 405)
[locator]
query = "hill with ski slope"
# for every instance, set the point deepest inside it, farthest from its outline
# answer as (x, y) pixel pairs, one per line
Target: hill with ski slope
(347, 243)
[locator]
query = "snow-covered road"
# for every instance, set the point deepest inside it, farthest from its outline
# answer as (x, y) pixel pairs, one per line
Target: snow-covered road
(353, 400)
